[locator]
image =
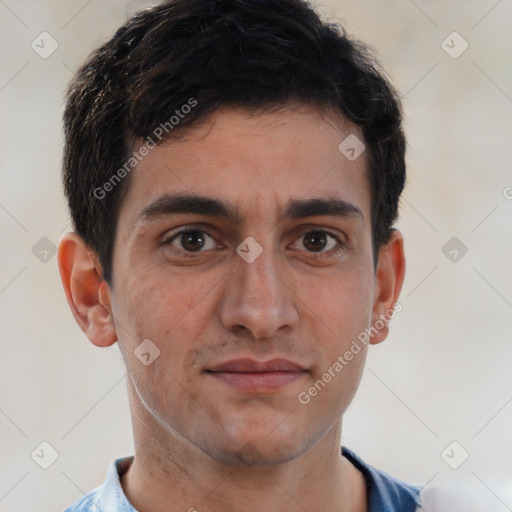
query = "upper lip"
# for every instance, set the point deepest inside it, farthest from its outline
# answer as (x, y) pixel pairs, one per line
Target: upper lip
(251, 365)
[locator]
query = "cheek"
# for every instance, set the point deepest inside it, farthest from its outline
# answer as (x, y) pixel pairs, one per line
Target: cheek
(172, 316)
(156, 304)
(340, 310)
(340, 304)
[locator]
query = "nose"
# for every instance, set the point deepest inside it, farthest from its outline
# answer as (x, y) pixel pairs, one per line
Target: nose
(259, 300)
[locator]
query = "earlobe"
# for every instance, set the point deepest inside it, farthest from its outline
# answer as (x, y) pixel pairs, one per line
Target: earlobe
(88, 295)
(389, 278)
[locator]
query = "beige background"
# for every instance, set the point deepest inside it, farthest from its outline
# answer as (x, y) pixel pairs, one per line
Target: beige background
(443, 375)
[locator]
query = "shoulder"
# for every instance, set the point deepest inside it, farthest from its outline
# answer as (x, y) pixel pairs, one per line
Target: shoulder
(389, 494)
(88, 503)
(385, 493)
(108, 497)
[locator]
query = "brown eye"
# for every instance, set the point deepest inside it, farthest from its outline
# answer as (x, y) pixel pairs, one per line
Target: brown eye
(315, 241)
(190, 241)
(319, 243)
(193, 240)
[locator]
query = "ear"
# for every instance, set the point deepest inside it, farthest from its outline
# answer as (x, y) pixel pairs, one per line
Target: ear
(87, 293)
(389, 277)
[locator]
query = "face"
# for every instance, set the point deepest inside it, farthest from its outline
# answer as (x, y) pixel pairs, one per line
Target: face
(243, 252)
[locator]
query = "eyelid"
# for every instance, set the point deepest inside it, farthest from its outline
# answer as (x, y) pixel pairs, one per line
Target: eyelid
(308, 228)
(185, 228)
(171, 236)
(339, 239)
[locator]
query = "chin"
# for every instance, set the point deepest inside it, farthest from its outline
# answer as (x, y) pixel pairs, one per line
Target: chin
(258, 450)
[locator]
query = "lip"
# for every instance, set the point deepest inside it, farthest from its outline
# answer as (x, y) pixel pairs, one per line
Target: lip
(254, 376)
(246, 365)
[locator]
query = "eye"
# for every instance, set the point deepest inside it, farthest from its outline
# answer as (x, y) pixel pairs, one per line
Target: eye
(318, 241)
(191, 240)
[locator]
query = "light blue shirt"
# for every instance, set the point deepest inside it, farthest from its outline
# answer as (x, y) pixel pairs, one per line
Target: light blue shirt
(385, 493)
(108, 497)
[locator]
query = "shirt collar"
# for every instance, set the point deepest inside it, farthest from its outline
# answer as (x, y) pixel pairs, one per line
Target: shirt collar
(111, 497)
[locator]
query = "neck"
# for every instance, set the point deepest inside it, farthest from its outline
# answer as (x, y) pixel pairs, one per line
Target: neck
(171, 474)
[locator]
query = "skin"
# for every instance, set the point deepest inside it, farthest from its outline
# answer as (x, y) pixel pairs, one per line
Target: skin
(199, 442)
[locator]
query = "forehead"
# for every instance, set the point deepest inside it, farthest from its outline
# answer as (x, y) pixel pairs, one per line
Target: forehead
(256, 162)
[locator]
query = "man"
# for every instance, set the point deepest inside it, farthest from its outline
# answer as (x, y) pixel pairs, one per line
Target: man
(233, 170)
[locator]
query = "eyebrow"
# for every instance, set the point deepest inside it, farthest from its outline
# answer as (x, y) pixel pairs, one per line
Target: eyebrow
(170, 204)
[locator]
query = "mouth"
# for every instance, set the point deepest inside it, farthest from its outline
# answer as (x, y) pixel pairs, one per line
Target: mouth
(254, 376)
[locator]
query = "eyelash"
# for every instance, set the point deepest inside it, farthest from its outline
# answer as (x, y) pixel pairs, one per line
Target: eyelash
(340, 246)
